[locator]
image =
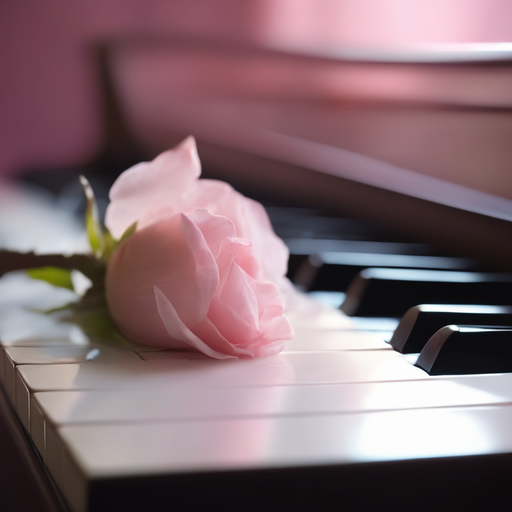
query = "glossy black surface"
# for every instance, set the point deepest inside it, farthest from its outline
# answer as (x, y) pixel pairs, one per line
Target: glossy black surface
(421, 322)
(460, 350)
(391, 292)
(334, 270)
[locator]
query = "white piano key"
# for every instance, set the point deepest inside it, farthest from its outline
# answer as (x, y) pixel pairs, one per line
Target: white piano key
(75, 407)
(59, 354)
(43, 342)
(328, 298)
(303, 342)
(18, 392)
(374, 323)
(170, 354)
(338, 340)
(317, 316)
(283, 369)
(103, 451)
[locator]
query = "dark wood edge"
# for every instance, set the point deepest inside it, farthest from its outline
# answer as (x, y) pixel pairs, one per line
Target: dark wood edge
(25, 484)
(441, 484)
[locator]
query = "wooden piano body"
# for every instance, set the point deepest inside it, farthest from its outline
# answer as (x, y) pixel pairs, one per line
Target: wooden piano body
(337, 419)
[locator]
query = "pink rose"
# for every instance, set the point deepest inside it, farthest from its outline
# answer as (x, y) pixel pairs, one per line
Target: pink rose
(203, 267)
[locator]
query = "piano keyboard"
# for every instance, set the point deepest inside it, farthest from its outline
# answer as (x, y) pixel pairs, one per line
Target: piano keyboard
(337, 415)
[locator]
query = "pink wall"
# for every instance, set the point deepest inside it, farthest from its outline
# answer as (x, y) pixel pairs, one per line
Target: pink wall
(49, 108)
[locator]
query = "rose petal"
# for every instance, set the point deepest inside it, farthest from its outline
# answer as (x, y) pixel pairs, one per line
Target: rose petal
(271, 251)
(178, 330)
(270, 349)
(151, 190)
(235, 310)
(240, 251)
(209, 332)
(250, 220)
(171, 254)
(245, 309)
(269, 299)
(214, 229)
(214, 342)
(238, 295)
(206, 272)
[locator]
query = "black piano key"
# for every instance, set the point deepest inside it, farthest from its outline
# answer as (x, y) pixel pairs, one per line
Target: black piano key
(289, 222)
(459, 350)
(391, 292)
(421, 322)
(309, 246)
(308, 231)
(333, 271)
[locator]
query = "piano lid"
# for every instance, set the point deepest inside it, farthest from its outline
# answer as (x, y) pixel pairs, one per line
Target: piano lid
(415, 140)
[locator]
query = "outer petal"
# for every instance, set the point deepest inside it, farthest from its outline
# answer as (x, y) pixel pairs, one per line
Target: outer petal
(178, 330)
(208, 332)
(269, 350)
(271, 251)
(250, 220)
(151, 190)
(173, 255)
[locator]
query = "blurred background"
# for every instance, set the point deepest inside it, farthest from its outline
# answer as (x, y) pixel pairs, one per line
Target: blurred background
(396, 112)
(415, 87)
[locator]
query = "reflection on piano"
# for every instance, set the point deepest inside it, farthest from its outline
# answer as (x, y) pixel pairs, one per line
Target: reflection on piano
(338, 417)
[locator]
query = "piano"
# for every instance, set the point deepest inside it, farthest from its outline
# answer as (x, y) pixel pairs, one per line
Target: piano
(339, 417)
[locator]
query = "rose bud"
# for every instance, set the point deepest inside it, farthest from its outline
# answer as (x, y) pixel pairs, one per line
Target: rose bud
(203, 266)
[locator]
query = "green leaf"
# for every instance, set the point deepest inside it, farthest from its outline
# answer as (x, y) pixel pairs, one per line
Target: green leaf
(53, 275)
(129, 232)
(92, 316)
(110, 245)
(92, 222)
(97, 322)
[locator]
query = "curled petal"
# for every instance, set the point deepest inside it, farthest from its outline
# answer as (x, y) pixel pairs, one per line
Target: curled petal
(251, 222)
(151, 190)
(177, 330)
(240, 251)
(206, 273)
(235, 310)
(214, 228)
(269, 299)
